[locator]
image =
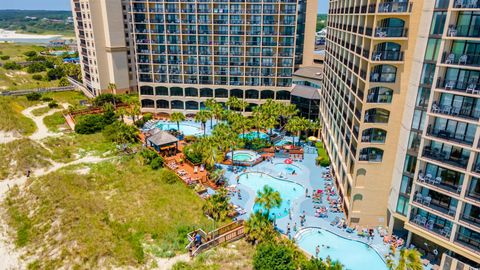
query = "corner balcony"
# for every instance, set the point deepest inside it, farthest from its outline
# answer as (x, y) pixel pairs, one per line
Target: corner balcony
(391, 32)
(430, 222)
(387, 55)
(471, 215)
(468, 238)
(473, 191)
(466, 59)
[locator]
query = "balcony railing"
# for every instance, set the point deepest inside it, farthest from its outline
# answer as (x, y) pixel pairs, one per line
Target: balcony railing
(394, 7)
(470, 219)
(461, 59)
(466, 113)
(387, 55)
(468, 241)
(430, 225)
(435, 205)
(439, 182)
(445, 157)
(388, 32)
(464, 31)
(471, 87)
(447, 135)
(466, 4)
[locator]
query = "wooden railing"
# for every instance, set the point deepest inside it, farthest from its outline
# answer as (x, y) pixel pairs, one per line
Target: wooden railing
(225, 234)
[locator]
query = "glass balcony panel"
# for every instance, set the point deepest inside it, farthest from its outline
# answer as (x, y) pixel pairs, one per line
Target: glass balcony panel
(468, 238)
(436, 201)
(431, 222)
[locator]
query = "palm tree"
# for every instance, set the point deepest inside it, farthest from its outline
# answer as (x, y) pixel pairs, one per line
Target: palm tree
(216, 109)
(177, 117)
(409, 260)
(122, 112)
(297, 124)
(203, 116)
(217, 206)
(268, 198)
(258, 228)
(240, 124)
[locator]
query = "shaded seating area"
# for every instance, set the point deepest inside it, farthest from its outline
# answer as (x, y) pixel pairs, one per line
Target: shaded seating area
(163, 142)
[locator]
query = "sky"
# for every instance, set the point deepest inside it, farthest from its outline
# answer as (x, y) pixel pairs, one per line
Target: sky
(65, 4)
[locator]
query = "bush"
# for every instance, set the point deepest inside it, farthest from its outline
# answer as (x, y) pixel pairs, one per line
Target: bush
(147, 117)
(190, 138)
(120, 133)
(47, 99)
(30, 53)
(156, 163)
(55, 73)
(322, 159)
(36, 58)
(36, 67)
(5, 57)
(63, 82)
(11, 65)
(90, 124)
(106, 98)
(273, 256)
(53, 104)
(37, 77)
(168, 177)
(33, 96)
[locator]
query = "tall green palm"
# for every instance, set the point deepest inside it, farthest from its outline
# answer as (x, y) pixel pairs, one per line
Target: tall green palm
(409, 260)
(177, 117)
(258, 118)
(216, 109)
(203, 116)
(297, 124)
(217, 206)
(258, 228)
(268, 198)
(241, 124)
(226, 138)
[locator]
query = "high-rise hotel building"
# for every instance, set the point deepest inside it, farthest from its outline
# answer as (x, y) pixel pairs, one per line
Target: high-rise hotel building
(178, 53)
(401, 109)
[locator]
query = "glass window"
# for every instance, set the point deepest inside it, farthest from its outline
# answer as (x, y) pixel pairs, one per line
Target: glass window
(438, 23)
(433, 46)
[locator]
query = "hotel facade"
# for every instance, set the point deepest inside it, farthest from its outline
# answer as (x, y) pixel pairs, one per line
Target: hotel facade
(179, 53)
(400, 106)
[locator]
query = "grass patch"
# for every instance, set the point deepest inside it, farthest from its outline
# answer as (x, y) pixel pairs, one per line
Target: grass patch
(41, 111)
(54, 122)
(323, 159)
(72, 146)
(11, 118)
(71, 97)
(236, 255)
(20, 155)
(108, 215)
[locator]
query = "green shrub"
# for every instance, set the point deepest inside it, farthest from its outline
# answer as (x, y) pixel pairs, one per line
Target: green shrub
(5, 57)
(273, 256)
(53, 104)
(33, 96)
(37, 77)
(47, 99)
(55, 73)
(63, 82)
(90, 124)
(190, 138)
(157, 163)
(36, 67)
(322, 159)
(120, 133)
(30, 53)
(147, 117)
(102, 99)
(11, 65)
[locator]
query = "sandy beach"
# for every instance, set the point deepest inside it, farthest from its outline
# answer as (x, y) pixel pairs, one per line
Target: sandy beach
(4, 34)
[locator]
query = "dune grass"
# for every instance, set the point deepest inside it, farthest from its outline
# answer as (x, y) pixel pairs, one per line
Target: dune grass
(41, 111)
(236, 256)
(108, 215)
(11, 118)
(54, 122)
(20, 155)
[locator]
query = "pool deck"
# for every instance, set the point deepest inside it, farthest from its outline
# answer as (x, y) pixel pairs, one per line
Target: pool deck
(310, 177)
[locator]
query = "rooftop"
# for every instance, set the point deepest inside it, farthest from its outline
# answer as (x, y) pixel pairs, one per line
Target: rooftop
(310, 72)
(160, 137)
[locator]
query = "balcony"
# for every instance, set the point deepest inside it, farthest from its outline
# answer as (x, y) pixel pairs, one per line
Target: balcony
(471, 215)
(464, 31)
(430, 222)
(371, 154)
(470, 87)
(462, 112)
(455, 156)
(436, 201)
(466, 4)
(446, 183)
(395, 7)
(473, 191)
(468, 238)
(387, 55)
(461, 59)
(391, 32)
(445, 134)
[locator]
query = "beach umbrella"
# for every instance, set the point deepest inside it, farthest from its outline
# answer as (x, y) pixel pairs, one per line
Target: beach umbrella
(288, 161)
(312, 138)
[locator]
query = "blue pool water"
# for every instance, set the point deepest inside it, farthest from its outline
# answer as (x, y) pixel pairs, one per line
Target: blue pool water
(254, 134)
(243, 156)
(284, 141)
(289, 191)
(185, 128)
(287, 168)
(353, 254)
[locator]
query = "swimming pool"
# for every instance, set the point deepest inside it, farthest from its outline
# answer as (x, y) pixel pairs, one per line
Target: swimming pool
(186, 129)
(254, 134)
(353, 254)
(287, 168)
(289, 191)
(284, 141)
(243, 156)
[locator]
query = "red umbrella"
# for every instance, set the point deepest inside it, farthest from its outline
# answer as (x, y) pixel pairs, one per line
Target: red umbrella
(288, 161)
